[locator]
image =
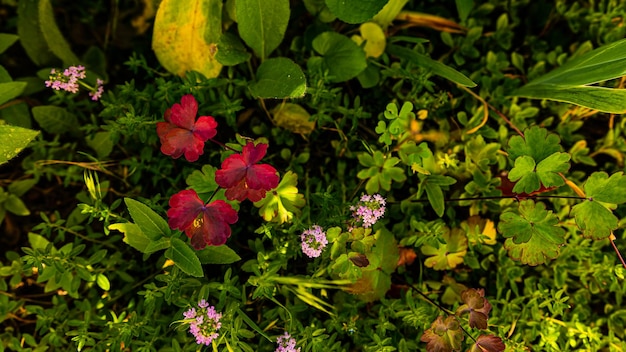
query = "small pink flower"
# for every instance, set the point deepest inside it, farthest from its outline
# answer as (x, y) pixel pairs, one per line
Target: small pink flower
(313, 241)
(204, 322)
(205, 224)
(243, 177)
(181, 133)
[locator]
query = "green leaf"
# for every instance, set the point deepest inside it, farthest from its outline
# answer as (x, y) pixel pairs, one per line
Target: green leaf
(16, 206)
(342, 58)
(536, 143)
(150, 223)
(184, 257)
(101, 143)
(569, 83)
(449, 254)
(56, 120)
(30, 34)
(432, 185)
(203, 181)
(6, 40)
(380, 172)
(389, 12)
(355, 11)
(279, 78)
(284, 202)
(231, 51)
(603, 188)
(533, 235)
(10, 90)
(14, 140)
(218, 255)
(53, 36)
(594, 219)
(436, 67)
(132, 235)
(546, 173)
(103, 282)
(262, 24)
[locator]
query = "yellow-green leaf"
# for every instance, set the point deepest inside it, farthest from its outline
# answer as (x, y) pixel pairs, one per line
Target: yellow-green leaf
(374, 37)
(282, 203)
(185, 36)
(293, 117)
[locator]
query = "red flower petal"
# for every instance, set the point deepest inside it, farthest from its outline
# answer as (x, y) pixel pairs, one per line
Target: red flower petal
(184, 208)
(205, 128)
(253, 154)
(242, 178)
(212, 228)
(181, 134)
(232, 172)
(241, 192)
(262, 176)
(204, 224)
(184, 114)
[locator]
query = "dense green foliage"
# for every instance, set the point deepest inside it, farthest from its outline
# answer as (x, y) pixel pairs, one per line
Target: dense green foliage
(493, 129)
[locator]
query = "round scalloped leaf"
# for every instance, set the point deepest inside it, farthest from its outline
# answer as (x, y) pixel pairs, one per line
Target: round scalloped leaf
(533, 235)
(342, 58)
(536, 143)
(279, 78)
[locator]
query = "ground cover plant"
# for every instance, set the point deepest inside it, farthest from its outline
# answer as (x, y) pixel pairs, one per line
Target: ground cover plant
(317, 175)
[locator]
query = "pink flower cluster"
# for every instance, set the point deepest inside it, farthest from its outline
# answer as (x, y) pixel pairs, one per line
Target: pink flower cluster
(70, 79)
(313, 241)
(286, 343)
(204, 322)
(368, 211)
(240, 175)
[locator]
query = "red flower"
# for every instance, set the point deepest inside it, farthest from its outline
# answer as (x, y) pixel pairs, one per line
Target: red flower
(242, 178)
(205, 224)
(181, 133)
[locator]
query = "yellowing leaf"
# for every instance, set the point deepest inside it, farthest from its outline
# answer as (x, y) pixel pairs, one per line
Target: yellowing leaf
(282, 203)
(374, 38)
(448, 255)
(185, 36)
(294, 118)
(479, 230)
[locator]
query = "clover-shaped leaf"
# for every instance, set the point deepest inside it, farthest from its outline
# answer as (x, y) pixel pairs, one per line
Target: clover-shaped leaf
(443, 335)
(282, 203)
(532, 235)
(448, 255)
(593, 216)
(477, 306)
(487, 343)
(380, 171)
(531, 178)
(536, 143)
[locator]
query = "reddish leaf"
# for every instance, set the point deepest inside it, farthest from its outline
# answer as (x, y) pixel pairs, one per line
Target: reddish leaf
(477, 306)
(443, 335)
(407, 256)
(487, 343)
(181, 133)
(243, 177)
(204, 224)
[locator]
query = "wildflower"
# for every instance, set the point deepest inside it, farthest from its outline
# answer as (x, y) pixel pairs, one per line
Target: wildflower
(286, 343)
(181, 133)
(205, 224)
(205, 322)
(369, 210)
(313, 241)
(71, 78)
(66, 80)
(243, 177)
(97, 93)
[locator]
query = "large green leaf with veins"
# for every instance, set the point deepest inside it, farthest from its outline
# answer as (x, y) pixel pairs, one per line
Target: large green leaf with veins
(546, 173)
(536, 143)
(594, 215)
(532, 234)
